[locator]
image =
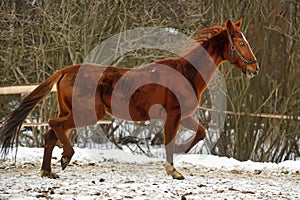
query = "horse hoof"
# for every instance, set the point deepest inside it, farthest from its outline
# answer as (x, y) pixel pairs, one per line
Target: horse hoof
(170, 169)
(178, 176)
(64, 162)
(49, 174)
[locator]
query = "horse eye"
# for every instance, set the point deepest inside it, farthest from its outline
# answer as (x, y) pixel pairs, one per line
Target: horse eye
(242, 44)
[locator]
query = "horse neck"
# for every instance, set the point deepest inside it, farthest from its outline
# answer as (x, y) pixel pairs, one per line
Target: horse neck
(202, 62)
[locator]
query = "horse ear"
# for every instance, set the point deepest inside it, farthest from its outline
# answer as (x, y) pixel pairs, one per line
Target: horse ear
(230, 26)
(238, 23)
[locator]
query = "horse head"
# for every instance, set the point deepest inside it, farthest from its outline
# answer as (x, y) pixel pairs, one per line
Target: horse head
(239, 51)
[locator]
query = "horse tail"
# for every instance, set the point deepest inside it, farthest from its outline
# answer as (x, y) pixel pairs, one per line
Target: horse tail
(9, 132)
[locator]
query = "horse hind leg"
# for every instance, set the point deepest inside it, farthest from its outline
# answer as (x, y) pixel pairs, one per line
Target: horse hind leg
(60, 126)
(50, 141)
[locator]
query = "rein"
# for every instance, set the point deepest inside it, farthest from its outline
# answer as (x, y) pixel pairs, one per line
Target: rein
(235, 50)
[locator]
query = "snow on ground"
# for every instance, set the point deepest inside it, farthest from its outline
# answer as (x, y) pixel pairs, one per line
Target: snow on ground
(114, 174)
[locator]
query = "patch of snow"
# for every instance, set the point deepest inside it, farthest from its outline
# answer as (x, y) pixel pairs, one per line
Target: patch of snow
(225, 163)
(86, 156)
(115, 174)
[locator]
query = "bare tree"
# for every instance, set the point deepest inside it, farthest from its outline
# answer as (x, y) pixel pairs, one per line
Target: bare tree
(39, 37)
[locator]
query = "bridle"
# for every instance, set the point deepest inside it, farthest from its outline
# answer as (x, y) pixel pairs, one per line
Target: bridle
(235, 50)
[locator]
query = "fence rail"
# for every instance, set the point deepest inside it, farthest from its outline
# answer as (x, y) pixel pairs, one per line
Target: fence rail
(46, 123)
(20, 89)
(24, 89)
(261, 115)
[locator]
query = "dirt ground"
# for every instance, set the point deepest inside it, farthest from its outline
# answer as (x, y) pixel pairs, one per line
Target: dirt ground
(111, 180)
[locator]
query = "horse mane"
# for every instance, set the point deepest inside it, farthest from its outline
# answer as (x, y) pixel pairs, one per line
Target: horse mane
(205, 34)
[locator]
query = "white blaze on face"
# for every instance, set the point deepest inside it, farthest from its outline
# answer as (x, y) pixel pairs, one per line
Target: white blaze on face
(244, 38)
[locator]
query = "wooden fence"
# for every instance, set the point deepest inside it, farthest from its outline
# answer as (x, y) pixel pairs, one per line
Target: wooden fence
(24, 89)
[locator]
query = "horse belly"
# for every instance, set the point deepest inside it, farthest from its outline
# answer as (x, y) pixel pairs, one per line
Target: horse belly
(145, 103)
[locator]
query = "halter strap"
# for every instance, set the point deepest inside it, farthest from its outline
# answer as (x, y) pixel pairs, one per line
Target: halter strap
(234, 50)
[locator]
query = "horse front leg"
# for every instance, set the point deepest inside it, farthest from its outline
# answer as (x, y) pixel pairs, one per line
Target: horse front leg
(50, 142)
(191, 124)
(170, 129)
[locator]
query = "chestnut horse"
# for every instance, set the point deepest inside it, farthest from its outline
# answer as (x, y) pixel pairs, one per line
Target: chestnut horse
(171, 90)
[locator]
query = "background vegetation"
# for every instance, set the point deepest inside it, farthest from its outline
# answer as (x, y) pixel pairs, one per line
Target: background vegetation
(40, 36)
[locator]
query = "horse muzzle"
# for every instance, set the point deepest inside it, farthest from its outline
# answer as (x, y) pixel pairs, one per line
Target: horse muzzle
(251, 72)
